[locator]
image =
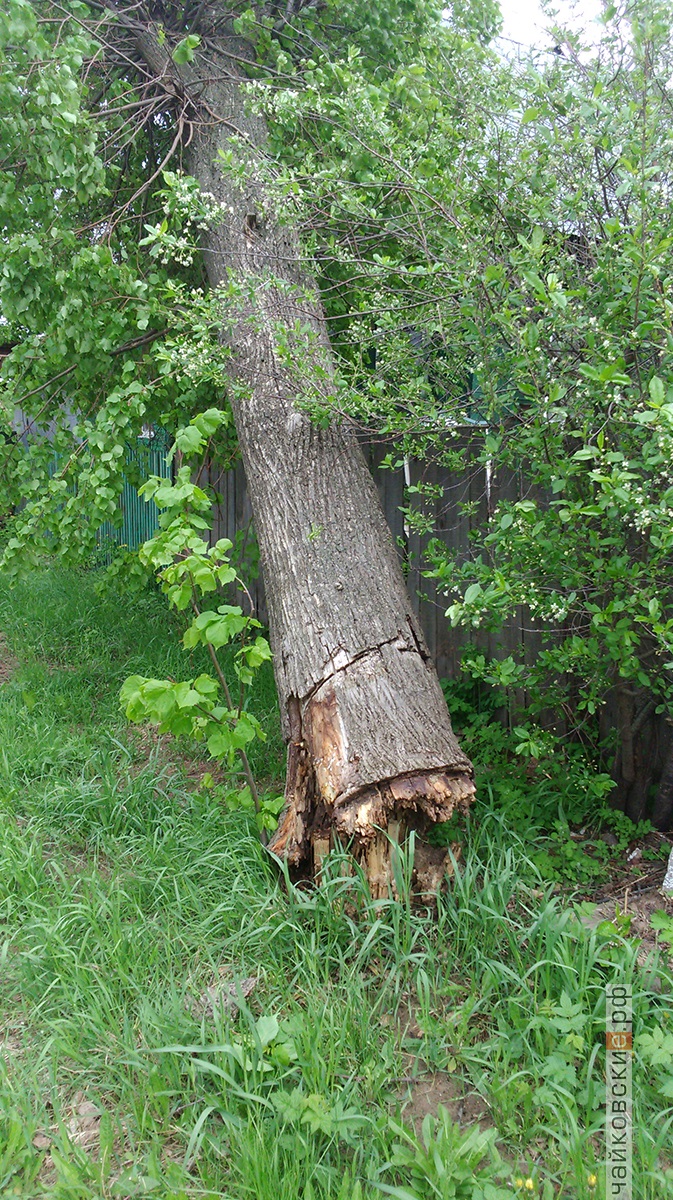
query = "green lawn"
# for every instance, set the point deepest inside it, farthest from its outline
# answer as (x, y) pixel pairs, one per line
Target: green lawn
(126, 890)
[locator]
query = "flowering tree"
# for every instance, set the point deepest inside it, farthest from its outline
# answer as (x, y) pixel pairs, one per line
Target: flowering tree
(506, 228)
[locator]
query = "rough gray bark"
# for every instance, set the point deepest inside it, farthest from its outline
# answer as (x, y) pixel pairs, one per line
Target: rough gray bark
(369, 733)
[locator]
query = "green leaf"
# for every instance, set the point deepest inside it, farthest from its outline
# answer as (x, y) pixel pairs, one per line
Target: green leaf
(184, 51)
(215, 628)
(189, 440)
(209, 421)
(205, 685)
(185, 696)
(220, 743)
(399, 1192)
(130, 698)
(657, 390)
(290, 1105)
(267, 1029)
(257, 653)
(663, 923)
(245, 729)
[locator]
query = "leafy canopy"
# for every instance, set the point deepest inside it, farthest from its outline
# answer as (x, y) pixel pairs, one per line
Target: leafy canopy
(492, 242)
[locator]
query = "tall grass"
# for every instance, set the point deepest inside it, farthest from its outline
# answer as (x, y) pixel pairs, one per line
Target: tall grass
(125, 891)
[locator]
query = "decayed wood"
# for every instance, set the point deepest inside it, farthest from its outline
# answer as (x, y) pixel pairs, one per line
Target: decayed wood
(321, 848)
(432, 866)
(368, 730)
(377, 865)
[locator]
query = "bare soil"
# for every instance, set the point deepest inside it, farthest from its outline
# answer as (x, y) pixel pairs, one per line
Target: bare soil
(145, 743)
(634, 889)
(8, 663)
(424, 1090)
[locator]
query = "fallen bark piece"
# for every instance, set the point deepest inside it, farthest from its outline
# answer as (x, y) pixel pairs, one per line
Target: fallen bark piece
(222, 998)
(84, 1124)
(667, 885)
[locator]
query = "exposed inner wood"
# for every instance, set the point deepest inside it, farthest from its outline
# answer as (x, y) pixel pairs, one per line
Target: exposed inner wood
(351, 734)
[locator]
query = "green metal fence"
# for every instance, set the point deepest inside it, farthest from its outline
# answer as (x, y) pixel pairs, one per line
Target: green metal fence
(140, 520)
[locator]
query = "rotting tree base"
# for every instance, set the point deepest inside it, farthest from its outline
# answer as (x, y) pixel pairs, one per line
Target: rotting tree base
(382, 865)
(370, 826)
(371, 753)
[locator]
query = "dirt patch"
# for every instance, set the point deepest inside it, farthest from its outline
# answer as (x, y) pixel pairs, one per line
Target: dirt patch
(8, 663)
(633, 891)
(424, 1090)
(147, 744)
(641, 868)
(12, 1046)
(639, 906)
(82, 1129)
(74, 862)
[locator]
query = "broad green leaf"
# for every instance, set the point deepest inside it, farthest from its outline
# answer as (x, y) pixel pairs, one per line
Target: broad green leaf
(657, 390)
(220, 743)
(267, 1029)
(189, 440)
(209, 422)
(184, 51)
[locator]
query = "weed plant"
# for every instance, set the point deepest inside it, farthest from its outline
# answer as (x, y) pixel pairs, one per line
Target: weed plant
(546, 787)
(127, 889)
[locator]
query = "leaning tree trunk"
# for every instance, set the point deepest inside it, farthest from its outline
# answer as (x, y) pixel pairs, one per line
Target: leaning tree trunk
(370, 743)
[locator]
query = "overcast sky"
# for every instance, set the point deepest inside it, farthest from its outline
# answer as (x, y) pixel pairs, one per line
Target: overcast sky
(524, 21)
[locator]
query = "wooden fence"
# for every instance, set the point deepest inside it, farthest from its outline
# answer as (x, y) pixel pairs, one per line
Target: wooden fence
(460, 502)
(456, 504)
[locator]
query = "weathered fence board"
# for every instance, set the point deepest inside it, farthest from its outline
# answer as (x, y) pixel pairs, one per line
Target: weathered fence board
(463, 501)
(457, 504)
